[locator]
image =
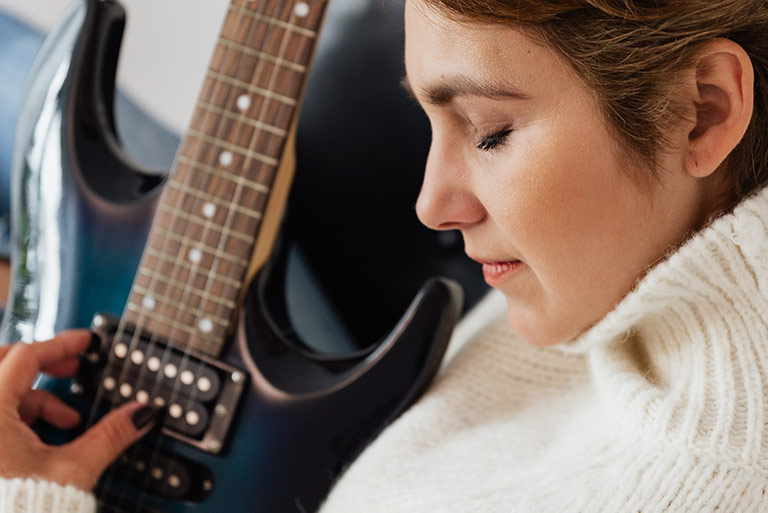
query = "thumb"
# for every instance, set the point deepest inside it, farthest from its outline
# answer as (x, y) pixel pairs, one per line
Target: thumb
(98, 447)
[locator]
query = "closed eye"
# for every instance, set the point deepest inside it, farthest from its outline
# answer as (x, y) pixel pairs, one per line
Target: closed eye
(493, 141)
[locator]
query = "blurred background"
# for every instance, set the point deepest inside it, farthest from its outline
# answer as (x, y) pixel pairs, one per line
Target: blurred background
(165, 52)
(361, 149)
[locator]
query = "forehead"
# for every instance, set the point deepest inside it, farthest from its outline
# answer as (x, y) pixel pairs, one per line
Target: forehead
(438, 47)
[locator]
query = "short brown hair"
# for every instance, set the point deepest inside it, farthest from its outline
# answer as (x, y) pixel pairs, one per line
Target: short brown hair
(630, 52)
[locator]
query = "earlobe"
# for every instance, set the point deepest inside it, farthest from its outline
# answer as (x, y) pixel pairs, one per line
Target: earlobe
(723, 103)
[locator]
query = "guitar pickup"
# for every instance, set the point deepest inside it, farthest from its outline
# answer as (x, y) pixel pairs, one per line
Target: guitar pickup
(167, 475)
(199, 393)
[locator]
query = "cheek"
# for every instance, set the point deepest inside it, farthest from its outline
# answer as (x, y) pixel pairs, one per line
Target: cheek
(574, 215)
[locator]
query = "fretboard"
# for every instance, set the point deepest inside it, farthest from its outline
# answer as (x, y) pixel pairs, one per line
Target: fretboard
(199, 248)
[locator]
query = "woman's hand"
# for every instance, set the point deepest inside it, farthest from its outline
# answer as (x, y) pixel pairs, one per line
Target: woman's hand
(22, 453)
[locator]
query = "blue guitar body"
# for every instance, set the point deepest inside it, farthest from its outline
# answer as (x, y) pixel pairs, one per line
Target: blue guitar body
(81, 214)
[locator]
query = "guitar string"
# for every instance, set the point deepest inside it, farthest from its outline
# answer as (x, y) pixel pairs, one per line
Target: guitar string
(135, 339)
(108, 478)
(221, 240)
(204, 154)
(254, 140)
(236, 129)
(208, 178)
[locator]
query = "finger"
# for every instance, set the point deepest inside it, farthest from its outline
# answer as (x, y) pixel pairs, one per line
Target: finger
(98, 447)
(64, 368)
(42, 404)
(22, 363)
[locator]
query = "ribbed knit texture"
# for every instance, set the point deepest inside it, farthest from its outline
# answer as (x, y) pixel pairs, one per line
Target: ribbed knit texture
(32, 496)
(660, 407)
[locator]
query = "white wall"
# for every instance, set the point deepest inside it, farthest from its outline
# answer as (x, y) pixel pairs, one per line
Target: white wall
(166, 49)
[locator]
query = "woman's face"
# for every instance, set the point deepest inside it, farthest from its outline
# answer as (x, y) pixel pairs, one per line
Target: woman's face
(523, 164)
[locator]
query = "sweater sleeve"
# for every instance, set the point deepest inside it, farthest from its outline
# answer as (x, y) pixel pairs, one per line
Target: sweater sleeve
(34, 496)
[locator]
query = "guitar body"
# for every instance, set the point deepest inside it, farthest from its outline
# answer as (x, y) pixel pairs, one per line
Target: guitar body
(81, 208)
(82, 211)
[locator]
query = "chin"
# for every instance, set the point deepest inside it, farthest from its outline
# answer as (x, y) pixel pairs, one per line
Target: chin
(537, 330)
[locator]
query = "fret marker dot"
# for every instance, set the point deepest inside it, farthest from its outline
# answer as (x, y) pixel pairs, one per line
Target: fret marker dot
(174, 481)
(209, 209)
(195, 256)
(142, 396)
(225, 159)
(301, 10)
(137, 357)
(205, 325)
(125, 390)
(159, 402)
(157, 473)
(109, 383)
(171, 371)
(175, 411)
(187, 377)
(149, 303)
(243, 102)
(154, 364)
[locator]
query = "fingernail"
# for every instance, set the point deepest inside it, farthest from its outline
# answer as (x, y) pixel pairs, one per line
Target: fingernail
(142, 417)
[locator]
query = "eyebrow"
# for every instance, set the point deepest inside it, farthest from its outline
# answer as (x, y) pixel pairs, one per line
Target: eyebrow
(462, 85)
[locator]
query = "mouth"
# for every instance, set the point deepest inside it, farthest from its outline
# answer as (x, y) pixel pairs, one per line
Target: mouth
(497, 272)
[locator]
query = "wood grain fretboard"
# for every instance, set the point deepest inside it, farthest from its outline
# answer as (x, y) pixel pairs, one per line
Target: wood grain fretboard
(198, 250)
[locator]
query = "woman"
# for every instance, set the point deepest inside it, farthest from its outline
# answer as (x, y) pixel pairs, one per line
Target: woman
(604, 161)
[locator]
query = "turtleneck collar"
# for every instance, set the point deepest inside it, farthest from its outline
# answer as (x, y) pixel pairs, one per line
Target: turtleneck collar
(686, 352)
(720, 266)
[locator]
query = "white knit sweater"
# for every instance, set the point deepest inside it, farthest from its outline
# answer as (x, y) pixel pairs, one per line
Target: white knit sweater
(660, 407)
(33, 496)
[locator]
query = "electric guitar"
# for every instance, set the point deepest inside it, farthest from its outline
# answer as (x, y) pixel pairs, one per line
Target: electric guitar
(254, 419)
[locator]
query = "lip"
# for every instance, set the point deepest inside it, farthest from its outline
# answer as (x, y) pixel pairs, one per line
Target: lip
(498, 272)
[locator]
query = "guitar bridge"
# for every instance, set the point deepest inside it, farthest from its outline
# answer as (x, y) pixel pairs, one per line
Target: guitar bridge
(199, 393)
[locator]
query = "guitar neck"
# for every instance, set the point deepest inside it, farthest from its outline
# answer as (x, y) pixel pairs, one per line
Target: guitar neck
(199, 248)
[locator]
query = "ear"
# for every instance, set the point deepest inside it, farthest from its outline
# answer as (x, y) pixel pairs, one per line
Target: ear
(723, 101)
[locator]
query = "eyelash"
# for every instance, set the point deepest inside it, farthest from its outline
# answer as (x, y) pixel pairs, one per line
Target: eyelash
(493, 141)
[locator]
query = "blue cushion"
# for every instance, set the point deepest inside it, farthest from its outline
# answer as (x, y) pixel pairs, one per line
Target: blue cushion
(19, 44)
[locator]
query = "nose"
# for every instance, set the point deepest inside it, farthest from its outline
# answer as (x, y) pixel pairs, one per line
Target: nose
(446, 200)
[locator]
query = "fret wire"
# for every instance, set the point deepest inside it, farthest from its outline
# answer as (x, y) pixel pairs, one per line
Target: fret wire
(226, 303)
(256, 186)
(227, 232)
(263, 55)
(260, 157)
(196, 312)
(276, 22)
(217, 172)
(173, 323)
(266, 93)
(186, 189)
(191, 244)
(189, 267)
(239, 118)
